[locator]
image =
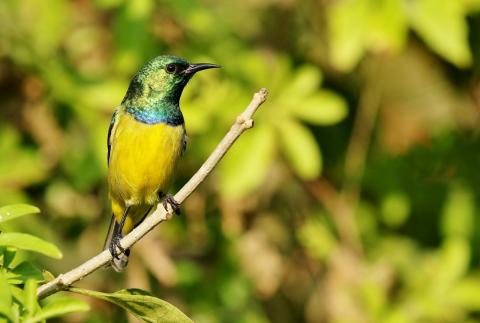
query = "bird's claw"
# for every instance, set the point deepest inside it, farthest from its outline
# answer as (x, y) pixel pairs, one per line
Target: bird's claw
(170, 200)
(115, 246)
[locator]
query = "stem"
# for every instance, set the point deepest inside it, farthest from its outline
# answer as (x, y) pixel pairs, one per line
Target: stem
(243, 122)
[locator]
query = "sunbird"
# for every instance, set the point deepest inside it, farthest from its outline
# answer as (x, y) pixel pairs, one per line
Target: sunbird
(146, 138)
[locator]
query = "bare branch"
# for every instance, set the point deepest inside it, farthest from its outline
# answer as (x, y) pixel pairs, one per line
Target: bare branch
(242, 123)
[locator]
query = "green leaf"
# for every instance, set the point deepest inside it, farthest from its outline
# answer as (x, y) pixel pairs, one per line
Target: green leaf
(8, 256)
(305, 81)
(23, 272)
(28, 242)
(47, 276)
(465, 292)
(10, 212)
(323, 108)
(455, 258)
(141, 304)
(458, 214)
(443, 26)
(30, 298)
(347, 32)
(387, 25)
(301, 149)
(395, 209)
(5, 298)
(244, 168)
(317, 238)
(59, 307)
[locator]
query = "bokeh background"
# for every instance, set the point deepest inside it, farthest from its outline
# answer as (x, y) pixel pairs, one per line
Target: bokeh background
(354, 198)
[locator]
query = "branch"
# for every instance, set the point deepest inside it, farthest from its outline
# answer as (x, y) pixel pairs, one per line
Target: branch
(244, 121)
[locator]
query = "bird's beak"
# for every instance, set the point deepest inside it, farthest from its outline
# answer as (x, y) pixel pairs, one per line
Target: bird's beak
(194, 68)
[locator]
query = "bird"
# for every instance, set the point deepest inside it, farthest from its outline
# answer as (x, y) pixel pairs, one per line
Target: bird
(146, 138)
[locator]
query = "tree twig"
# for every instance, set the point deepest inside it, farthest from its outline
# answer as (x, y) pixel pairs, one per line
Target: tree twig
(243, 122)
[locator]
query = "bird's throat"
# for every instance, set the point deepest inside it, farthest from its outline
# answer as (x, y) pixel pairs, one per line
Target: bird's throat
(158, 111)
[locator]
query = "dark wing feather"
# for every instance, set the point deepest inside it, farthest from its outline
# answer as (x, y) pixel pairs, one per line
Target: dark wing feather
(184, 143)
(110, 134)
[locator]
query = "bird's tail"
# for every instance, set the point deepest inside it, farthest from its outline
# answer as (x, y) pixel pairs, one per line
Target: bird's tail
(121, 263)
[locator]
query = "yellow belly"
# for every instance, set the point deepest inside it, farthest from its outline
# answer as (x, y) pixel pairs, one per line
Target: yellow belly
(142, 161)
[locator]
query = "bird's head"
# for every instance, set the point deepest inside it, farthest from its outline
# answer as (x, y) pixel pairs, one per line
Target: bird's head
(162, 78)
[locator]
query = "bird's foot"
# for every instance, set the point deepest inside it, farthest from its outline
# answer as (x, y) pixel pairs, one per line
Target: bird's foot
(169, 200)
(115, 246)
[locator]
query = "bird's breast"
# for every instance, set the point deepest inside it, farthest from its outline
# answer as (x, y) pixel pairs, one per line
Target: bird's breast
(143, 159)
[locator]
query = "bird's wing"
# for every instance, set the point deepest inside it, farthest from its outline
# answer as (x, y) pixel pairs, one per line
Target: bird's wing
(111, 132)
(184, 143)
(110, 136)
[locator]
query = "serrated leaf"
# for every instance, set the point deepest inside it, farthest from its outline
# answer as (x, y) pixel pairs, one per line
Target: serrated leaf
(301, 149)
(141, 304)
(28, 242)
(11, 212)
(323, 108)
(23, 272)
(30, 298)
(58, 308)
(244, 168)
(443, 26)
(5, 298)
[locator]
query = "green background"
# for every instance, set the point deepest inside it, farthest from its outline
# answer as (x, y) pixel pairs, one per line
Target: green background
(353, 199)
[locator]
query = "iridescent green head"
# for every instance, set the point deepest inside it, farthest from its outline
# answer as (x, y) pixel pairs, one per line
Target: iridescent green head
(154, 92)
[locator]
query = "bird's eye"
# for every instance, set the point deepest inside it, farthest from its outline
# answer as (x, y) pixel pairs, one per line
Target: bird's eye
(170, 68)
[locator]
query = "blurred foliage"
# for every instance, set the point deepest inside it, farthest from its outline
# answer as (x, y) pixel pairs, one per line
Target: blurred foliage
(19, 282)
(353, 199)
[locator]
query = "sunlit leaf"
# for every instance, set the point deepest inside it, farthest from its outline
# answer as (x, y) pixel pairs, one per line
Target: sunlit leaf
(395, 209)
(317, 239)
(30, 298)
(467, 293)
(141, 304)
(442, 24)
(246, 165)
(458, 212)
(58, 308)
(301, 149)
(28, 242)
(10, 212)
(455, 257)
(323, 108)
(387, 25)
(5, 298)
(347, 30)
(305, 81)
